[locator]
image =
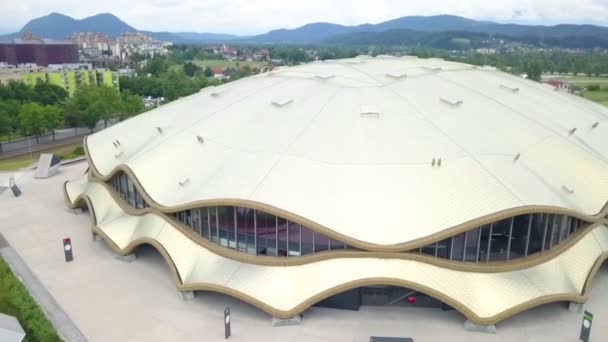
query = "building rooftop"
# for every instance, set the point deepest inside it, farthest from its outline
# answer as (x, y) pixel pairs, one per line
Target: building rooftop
(383, 151)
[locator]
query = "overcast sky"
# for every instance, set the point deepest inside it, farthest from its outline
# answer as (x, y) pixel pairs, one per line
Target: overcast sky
(259, 16)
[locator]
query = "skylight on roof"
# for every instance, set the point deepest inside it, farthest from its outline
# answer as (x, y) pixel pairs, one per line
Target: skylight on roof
(282, 102)
(509, 88)
(396, 74)
(325, 77)
(451, 101)
(217, 92)
(369, 111)
(431, 68)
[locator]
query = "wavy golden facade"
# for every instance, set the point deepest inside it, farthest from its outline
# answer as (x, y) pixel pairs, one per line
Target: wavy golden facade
(289, 187)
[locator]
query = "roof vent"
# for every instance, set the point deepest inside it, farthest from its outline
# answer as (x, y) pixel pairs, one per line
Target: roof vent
(117, 142)
(572, 131)
(159, 129)
(184, 182)
(119, 154)
(396, 75)
(595, 125)
(509, 88)
(282, 102)
(369, 112)
(452, 102)
(325, 77)
(431, 68)
(436, 162)
(217, 92)
(200, 139)
(567, 190)
(517, 157)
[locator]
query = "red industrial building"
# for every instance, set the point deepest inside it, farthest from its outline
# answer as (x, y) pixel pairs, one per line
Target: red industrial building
(38, 51)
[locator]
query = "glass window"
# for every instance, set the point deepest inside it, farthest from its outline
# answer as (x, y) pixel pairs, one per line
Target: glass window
(564, 228)
(429, 249)
(443, 248)
(204, 217)
(281, 236)
(226, 226)
(548, 231)
(245, 230)
(307, 241)
(213, 224)
(484, 243)
(196, 221)
(266, 226)
(499, 240)
(321, 243)
(472, 245)
(458, 247)
(573, 225)
(336, 245)
(519, 236)
(294, 239)
(537, 229)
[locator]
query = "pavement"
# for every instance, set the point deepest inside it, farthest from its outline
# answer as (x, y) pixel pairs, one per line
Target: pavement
(112, 300)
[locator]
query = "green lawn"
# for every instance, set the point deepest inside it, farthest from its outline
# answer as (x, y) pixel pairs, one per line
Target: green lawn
(17, 302)
(599, 96)
(582, 81)
(64, 152)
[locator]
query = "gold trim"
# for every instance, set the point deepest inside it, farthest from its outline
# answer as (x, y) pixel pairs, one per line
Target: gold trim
(399, 247)
(284, 314)
(491, 267)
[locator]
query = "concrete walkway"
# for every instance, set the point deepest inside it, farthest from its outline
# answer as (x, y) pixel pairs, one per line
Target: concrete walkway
(66, 329)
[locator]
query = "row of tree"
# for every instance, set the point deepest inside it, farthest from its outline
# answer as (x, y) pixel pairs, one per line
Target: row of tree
(45, 108)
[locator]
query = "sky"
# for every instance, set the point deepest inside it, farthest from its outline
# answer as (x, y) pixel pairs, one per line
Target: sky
(259, 16)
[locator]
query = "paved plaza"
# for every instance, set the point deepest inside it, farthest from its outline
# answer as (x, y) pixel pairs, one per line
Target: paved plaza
(112, 300)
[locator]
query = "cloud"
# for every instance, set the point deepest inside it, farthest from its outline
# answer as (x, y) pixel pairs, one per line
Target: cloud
(248, 17)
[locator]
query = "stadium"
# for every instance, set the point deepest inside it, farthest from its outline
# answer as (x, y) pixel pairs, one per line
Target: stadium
(365, 181)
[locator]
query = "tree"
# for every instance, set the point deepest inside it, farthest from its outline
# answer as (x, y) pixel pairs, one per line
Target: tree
(32, 119)
(131, 105)
(208, 72)
(107, 103)
(191, 69)
(53, 118)
(156, 66)
(48, 94)
(9, 117)
(534, 70)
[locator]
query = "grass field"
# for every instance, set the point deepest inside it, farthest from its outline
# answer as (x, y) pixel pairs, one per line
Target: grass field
(582, 81)
(15, 163)
(599, 96)
(16, 301)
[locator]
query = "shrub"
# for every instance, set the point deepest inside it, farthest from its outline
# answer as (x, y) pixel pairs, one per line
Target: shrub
(16, 301)
(593, 87)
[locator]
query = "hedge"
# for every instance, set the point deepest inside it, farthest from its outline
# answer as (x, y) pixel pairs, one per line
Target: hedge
(16, 301)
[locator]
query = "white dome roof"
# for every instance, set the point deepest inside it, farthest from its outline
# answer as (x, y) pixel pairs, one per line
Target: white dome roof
(349, 145)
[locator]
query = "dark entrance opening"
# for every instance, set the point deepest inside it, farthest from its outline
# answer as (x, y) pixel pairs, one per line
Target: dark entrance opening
(381, 295)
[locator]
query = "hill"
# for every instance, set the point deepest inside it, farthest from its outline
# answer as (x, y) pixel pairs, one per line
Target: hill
(317, 32)
(438, 31)
(59, 26)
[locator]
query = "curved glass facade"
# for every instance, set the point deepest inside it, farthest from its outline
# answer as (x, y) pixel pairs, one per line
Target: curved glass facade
(512, 238)
(256, 232)
(243, 229)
